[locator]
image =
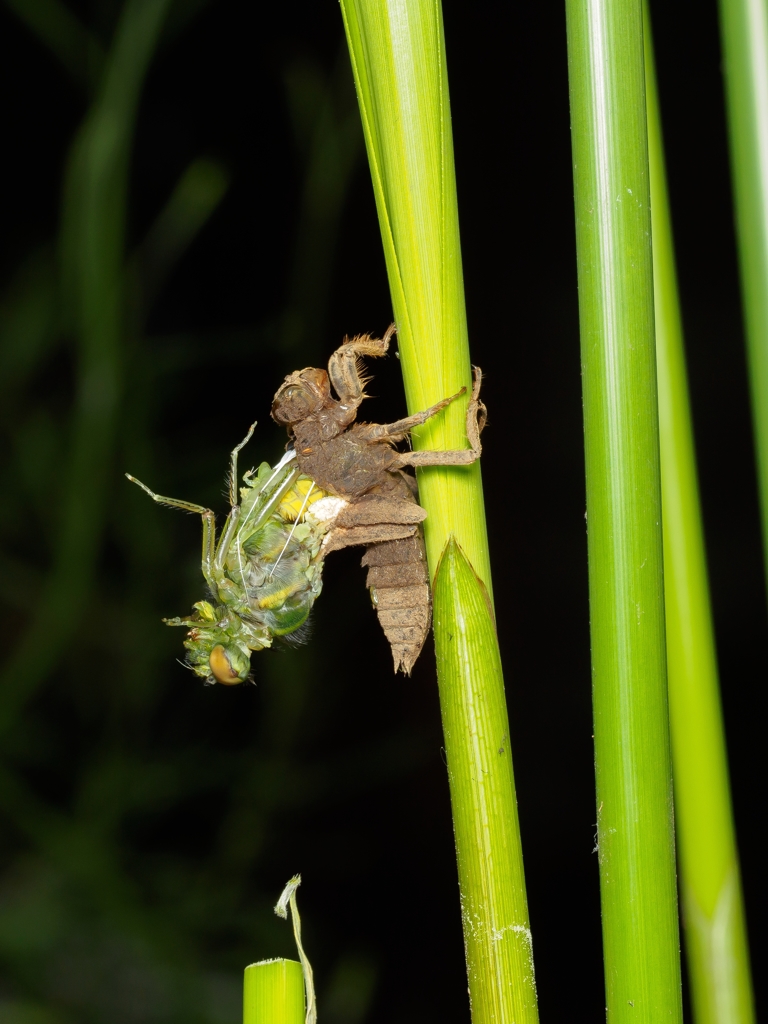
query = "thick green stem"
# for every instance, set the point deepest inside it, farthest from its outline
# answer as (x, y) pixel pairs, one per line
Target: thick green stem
(398, 57)
(632, 755)
(713, 910)
(474, 711)
(744, 30)
(273, 993)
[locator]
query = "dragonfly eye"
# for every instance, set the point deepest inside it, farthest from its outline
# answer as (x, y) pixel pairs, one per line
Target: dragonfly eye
(228, 665)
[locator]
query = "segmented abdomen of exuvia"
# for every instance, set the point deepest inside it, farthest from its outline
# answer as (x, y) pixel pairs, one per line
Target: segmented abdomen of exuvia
(399, 582)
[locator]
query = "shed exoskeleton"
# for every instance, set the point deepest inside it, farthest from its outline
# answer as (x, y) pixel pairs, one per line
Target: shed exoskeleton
(358, 463)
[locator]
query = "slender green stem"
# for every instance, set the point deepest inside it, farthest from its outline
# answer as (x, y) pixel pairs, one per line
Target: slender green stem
(398, 57)
(632, 757)
(273, 993)
(288, 902)
(744, 30)
(713, 909)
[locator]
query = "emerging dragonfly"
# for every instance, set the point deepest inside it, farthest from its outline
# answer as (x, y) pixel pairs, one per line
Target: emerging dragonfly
(264, 572)
(341, 483)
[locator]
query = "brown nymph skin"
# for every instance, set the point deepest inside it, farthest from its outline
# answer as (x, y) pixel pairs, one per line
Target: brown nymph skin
(357, 462)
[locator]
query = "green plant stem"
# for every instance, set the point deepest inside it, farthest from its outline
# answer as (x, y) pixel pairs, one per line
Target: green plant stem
(273, 993)
(632, 755)
(498, 939)
(744, 32)
(398, 58)
(713, 910)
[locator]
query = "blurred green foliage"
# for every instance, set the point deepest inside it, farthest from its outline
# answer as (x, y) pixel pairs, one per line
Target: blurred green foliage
(137, 811)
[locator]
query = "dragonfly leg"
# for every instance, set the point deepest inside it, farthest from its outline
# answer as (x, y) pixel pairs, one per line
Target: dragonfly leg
(400, 428)
(233, 466)
(476, 417)
(188, 506)
(209, 544)
(225, 539)
(343, 365)
(209, 524)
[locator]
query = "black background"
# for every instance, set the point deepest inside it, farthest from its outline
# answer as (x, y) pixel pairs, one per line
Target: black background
(150, 823)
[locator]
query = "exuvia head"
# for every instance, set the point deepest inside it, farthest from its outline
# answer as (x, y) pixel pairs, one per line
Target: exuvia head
(301, 395)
